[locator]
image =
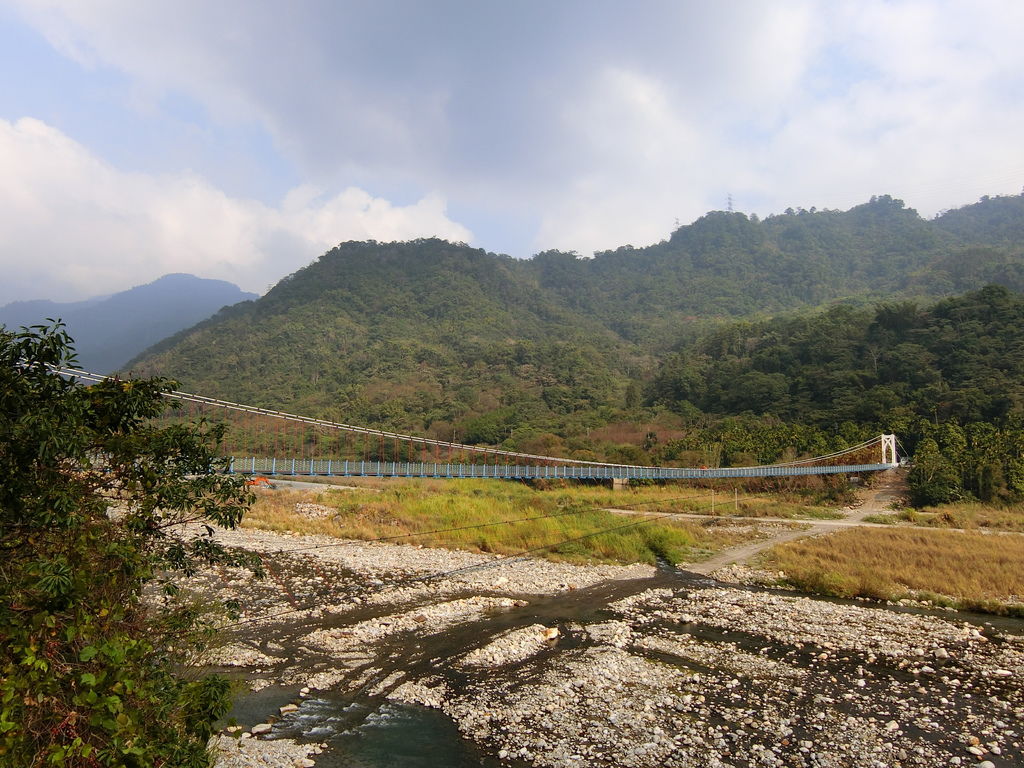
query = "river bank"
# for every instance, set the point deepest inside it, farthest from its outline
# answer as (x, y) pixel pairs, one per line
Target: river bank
(557, 665)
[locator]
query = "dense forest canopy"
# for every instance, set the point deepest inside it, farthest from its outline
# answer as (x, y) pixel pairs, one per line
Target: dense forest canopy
(424, 335)
(961, 359)
(947, 378)
(732, 265)
(994, 220)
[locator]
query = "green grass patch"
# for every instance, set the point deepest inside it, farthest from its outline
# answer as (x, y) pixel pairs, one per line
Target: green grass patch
(882, 519)
(563, 523)
(965, 515)
(723, 502)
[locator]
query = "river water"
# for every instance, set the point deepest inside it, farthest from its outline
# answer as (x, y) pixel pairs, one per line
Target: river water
(365, 733)
(371, 735)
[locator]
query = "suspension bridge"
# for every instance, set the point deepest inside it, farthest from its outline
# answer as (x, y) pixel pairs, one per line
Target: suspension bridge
(262, 441)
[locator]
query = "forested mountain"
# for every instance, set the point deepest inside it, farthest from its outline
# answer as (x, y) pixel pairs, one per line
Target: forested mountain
(414, 335)
(732, 265)
(110, 330)
(445, 339)
(992, 220)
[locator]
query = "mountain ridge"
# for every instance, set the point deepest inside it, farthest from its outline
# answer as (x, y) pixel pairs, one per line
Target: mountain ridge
(112, 329)
(440, 337)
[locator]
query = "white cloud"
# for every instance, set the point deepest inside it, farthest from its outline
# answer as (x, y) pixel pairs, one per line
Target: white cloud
(929, 116)
(652, 167)
(914, 99)
(306, 72)
(603, 122)
(73, 226)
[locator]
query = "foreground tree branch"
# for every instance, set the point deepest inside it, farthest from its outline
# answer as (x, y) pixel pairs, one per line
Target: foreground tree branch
(94, 502)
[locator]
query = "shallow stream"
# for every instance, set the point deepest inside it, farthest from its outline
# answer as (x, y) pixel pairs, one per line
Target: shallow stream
(371, 734)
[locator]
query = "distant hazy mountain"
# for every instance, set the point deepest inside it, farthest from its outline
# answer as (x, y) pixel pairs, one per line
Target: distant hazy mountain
(111, 330)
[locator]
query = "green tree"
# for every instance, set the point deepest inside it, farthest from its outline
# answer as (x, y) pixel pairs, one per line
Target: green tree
(933, 478)
(93, 504)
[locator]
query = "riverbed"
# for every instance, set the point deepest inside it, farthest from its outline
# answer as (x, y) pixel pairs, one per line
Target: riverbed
(379, 654)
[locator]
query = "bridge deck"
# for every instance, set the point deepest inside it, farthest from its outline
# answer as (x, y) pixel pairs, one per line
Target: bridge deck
(342, 468)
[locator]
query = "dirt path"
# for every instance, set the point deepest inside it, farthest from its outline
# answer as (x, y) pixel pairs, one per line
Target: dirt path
(889, 487)
(746, 552)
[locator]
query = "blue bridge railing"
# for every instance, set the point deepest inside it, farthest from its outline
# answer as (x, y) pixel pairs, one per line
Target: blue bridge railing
(254, 465)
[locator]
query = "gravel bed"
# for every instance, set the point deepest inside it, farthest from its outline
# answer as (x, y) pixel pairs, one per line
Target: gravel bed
(513, 646)
(394, 562)
(670, 676)
(577, 713)
(263, 753)
(737, 573)
(724, 656)
(428, 620)
(882, 689)
(236, 655)
(802, 620)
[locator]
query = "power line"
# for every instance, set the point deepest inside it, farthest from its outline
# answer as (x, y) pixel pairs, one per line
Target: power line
(386, 435)
(339, 426)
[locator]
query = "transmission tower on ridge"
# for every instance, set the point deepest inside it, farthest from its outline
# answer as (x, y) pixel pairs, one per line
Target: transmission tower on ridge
(730, 202)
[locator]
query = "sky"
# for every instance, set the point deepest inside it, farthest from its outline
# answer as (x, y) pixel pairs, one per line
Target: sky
(241, 139)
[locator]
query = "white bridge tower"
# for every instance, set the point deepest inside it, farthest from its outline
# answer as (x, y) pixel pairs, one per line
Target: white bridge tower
(889, 451)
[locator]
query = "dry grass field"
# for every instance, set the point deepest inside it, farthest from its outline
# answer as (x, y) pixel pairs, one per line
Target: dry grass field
(975, 570)
(969, 515)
